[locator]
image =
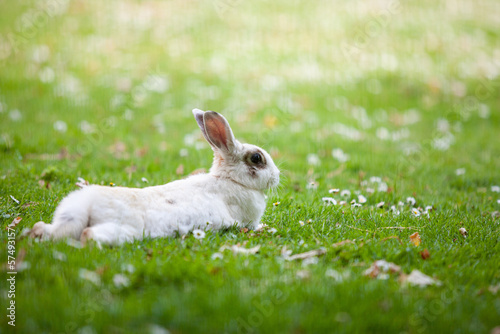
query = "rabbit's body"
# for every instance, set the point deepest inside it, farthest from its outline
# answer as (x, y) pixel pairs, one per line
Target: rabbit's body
(232, 193)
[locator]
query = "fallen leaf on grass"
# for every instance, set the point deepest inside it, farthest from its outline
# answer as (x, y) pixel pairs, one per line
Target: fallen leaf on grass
(380, 269)
(240, 250)
(415, 239)
(425, 254)
(14, 223)
(416, 277)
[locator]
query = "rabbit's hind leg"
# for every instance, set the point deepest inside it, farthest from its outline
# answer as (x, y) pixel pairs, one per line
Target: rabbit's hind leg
(64, 225)
(111, 233)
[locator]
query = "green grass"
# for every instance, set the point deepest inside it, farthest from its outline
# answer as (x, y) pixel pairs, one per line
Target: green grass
(410, 100)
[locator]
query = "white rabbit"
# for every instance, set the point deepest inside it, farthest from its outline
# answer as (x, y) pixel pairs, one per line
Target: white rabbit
(231, 193)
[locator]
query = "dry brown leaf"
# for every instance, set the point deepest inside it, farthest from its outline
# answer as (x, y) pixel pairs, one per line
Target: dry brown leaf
(425, 254)
(381, 267)
(14, 223)
(415, 239)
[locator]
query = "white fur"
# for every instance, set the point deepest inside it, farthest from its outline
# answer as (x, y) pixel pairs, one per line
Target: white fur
(228, 195)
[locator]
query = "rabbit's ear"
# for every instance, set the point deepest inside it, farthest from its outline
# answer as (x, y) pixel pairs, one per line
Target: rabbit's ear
(198, 115)
(218, 132)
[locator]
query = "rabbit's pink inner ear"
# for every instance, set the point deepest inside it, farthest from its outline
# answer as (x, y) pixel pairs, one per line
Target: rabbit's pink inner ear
(217, 132)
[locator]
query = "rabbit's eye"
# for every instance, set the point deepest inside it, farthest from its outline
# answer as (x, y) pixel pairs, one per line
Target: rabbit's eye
(256, 158)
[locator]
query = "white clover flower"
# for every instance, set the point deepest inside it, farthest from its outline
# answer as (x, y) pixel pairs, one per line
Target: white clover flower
(495, 189)
(312, 185)
(198, 234)
(313, 159)
(329, 200)
(411, 201)
(15, 115)
(91, 276)
(400, 203)
(144, 180)
(370, 190)
(59, 256)
(338, 154)
(128, 267)
(86, 127)
(60, 126)
(375, 179)
(460, 171)
(428, 209)
(395, 211)
(272, 230)
(216, 256)
(361, 199)
(345, 193)
(382, 187)
(121, 281)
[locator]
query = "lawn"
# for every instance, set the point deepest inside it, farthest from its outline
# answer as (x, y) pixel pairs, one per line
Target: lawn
(393, 104)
